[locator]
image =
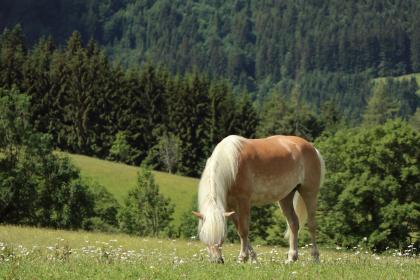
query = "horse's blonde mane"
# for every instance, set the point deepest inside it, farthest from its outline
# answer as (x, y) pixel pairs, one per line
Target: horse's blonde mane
(219, 174)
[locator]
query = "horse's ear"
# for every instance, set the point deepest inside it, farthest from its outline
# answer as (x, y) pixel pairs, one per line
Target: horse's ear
(198, 215)
(228, 214)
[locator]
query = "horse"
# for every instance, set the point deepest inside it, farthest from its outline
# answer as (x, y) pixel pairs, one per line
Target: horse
(243, 172)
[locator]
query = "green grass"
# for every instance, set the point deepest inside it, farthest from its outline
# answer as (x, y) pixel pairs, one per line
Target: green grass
(30, 253)
(120, 178)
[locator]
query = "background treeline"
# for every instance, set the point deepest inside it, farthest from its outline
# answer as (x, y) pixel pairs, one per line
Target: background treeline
(85, 103)
(247, 41)
(172, 122)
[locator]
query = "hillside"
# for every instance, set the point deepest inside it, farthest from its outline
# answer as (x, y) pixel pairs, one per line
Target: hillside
(120, 178)
(247, 41)
(29, 253)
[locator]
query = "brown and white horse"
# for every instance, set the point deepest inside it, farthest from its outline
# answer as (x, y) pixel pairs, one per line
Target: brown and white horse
(243, 172)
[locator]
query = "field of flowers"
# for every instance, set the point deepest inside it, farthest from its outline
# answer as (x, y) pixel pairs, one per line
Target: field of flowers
(29, 253)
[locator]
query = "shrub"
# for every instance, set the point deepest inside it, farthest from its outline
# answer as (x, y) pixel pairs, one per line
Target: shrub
(146, 211)
(38, 187)
(372, 186)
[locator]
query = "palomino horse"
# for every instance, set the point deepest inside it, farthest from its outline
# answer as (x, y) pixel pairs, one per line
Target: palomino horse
(242, 172)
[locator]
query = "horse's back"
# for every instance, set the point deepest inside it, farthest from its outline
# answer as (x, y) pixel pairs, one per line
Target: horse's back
(278, 147)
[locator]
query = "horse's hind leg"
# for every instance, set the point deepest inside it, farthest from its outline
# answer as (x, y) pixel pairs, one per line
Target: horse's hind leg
(310, 199)
(286, 205)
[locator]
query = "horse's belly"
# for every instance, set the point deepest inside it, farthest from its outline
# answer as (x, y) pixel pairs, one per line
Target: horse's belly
(267, 190)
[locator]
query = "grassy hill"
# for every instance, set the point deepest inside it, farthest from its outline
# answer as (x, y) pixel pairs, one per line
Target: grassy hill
(119, 178)
(403, 77)
(30, 253)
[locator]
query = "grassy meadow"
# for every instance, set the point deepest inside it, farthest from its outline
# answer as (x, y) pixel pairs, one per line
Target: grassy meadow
(120, 178)
(30, 253)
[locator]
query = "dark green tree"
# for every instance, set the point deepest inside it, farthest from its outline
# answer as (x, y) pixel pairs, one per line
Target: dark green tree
(415, 42)
(189, 115)
(222, 114)
(12, 57)
(37, 83)
(246, 117)
(106, 210)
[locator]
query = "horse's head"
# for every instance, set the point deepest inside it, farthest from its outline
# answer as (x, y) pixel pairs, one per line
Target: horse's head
(212, 231)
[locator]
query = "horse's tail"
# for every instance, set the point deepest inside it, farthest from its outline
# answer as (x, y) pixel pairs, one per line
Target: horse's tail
(300, 210)
(219, 173)
(299, 203)
(322, 162)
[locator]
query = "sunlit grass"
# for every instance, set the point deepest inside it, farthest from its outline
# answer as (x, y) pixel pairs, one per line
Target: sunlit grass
(120, 178)
(29, 253)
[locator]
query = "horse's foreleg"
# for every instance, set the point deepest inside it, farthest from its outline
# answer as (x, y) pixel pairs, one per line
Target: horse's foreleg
(241, 221)
(286, 205)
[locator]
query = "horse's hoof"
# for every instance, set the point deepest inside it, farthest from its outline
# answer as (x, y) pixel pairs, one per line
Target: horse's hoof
(242, 259)
(289, 261)
(218, 260)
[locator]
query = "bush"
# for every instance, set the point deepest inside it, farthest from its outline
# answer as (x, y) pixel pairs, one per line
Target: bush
(106, 210)
(372, 186)
(38, 187)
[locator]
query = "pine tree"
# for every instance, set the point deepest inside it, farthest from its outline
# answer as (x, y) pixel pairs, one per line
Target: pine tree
(12, 56)
(189, 115)
(132, 115)
(381, 106)
(246, 117)
(146, 211)
(415, 45)
(37, 84)
(274, 110)
(222, 112)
